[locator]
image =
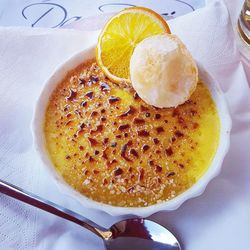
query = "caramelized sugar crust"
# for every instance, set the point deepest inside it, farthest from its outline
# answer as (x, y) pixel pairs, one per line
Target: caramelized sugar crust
(112, 147)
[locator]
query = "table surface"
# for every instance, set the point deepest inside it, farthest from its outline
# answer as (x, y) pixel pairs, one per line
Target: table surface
(49, 14)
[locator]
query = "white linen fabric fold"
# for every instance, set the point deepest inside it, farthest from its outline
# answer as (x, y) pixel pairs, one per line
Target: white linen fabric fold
(219, 219)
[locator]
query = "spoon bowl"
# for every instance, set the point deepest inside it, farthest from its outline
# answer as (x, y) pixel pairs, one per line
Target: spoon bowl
(141, 233)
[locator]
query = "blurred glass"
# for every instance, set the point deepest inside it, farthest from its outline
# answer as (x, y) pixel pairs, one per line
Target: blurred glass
(244, 22)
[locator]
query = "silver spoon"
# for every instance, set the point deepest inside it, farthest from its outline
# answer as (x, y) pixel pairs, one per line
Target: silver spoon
(132, 234)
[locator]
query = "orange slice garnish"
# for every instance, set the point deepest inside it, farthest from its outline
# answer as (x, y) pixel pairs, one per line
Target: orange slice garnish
(120, 36)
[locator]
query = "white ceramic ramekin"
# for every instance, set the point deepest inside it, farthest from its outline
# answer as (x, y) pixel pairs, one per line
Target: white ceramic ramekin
(195, 190)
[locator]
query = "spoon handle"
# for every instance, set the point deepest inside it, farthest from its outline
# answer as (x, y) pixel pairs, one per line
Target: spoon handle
(48, 206)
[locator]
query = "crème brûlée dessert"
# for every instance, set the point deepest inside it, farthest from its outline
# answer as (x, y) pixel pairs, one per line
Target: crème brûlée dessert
(135, 126)
(114, 148)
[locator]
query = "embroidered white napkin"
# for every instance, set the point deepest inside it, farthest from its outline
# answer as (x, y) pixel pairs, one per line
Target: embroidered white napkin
(219, 219)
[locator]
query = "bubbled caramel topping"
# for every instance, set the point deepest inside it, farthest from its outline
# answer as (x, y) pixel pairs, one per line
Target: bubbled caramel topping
(116, 148)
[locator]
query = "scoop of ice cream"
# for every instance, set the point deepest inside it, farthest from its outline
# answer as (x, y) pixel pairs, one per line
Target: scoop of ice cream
(162, 71)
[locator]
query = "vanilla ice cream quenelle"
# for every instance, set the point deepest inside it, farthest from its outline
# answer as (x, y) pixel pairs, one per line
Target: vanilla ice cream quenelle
(162, 71)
